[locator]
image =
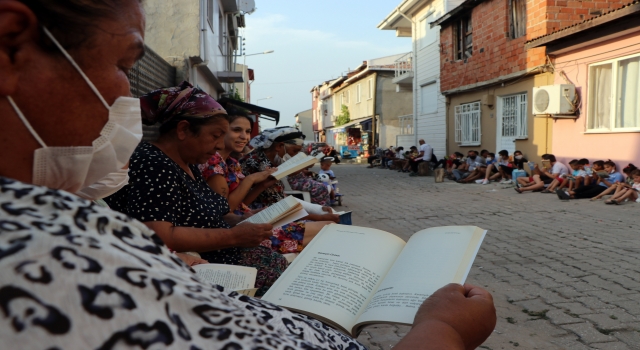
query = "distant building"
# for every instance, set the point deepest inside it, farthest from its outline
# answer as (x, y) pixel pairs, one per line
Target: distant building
(304, 122)
(374, 105)
(419, 71)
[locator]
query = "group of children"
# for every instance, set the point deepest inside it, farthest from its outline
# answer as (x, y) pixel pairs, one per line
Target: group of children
(579, 180)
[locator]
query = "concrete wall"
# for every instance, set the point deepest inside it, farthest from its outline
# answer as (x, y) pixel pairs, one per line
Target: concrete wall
(570, 137)
(173, 31)
(540, 130)
(305, 119)
(389, 106)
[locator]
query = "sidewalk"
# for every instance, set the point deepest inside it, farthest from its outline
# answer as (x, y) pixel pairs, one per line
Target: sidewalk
(564, 274)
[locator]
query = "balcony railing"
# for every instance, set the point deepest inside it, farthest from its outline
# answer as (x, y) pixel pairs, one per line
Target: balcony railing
(404, 65)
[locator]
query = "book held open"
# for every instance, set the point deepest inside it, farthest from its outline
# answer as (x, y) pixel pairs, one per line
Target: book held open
(281, 213)
(351, 276)
(296, 163)
(232, 277)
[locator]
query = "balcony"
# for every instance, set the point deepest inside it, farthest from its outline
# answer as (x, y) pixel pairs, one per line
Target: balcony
(403, 68)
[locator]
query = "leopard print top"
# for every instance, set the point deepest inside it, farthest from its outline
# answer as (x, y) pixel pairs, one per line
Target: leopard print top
(79, 276)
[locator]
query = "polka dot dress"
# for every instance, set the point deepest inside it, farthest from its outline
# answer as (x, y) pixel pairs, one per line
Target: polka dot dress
(159, 190)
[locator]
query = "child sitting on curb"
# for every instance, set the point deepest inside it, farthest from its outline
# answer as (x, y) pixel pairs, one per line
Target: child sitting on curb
(627, 192)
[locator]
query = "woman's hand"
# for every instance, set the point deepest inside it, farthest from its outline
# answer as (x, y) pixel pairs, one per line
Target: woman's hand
(270, 181)
(248, 235)
(330, 217)
(466, 310)
(190, 259)
(261, 176)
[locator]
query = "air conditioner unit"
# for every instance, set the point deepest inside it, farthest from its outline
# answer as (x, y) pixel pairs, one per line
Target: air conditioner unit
(555, 100)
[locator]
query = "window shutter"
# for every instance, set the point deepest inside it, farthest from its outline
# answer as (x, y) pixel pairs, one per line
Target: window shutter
(522, 116)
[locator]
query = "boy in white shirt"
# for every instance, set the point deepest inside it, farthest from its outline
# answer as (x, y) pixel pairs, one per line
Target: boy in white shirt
(542, 176)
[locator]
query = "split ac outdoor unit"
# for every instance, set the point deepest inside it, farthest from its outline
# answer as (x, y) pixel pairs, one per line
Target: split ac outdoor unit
(555, 100)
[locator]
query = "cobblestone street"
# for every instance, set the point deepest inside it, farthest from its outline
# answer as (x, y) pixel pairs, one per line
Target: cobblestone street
(564, 274)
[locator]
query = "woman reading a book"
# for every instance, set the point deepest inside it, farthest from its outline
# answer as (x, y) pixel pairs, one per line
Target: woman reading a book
(167, 192)
(62, 254)
(224, 175)
(273, 147)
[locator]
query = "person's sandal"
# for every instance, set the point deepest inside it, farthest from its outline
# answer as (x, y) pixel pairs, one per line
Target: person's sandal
(518, 189)
(545, 191)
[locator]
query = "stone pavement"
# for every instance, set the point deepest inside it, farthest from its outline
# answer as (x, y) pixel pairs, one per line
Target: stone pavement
(564, 274)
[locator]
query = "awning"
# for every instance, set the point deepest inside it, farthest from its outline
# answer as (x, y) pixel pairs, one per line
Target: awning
(342, 128)
(265, 113)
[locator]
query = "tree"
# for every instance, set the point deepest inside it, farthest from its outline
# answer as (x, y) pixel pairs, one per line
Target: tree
(344, 117)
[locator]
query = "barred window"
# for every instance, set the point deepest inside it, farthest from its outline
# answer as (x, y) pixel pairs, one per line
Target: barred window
(467, 124)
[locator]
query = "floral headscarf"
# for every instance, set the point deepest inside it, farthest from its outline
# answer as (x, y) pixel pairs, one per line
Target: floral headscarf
(183, 101)
(286, 134)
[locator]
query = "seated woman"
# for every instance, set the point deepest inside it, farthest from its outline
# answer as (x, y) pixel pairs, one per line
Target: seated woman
(224, 175)
(273, 147)
(78, 275)
(167, 192)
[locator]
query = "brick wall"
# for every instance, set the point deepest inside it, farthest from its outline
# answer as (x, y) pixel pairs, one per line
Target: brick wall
(495, 54)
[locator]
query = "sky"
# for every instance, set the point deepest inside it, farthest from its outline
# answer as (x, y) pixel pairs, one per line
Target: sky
(313, 41)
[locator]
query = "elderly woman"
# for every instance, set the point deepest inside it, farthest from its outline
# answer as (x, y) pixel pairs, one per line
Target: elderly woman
(80, 276)
(273, 147)
(167, 192)
(224, 175)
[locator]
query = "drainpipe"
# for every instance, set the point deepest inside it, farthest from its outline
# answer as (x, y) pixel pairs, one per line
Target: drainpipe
(414, 64)
(203, 39)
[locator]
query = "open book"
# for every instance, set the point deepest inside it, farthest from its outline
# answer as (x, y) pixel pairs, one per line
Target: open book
(241, 279)
(285, 211)
(297, 162)
(350, 276)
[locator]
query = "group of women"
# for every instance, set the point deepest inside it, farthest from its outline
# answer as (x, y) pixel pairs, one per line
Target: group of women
(80, 275)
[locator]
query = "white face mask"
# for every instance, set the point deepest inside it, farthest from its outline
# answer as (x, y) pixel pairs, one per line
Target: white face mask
(489, 158)
(78, 167)
(106, 186)
(518, 157)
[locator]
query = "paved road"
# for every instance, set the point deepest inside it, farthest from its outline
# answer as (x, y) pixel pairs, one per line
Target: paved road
(564, 274)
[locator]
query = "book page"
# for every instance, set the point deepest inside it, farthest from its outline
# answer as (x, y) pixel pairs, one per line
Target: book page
(336, 273)
(294, 164)
(294, 216)
(431, 259)
(232, 277)
(274, 212)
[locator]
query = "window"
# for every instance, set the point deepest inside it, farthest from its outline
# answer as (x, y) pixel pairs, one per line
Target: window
(518, 16)
(221, 31)
(467, 125)
(463, 44)
(358, 93)
(347, 97)
(429, 98)
(427, 35)
(406, 124)
(514, 116)
(614, 95)
(210, 13)
(370, 95)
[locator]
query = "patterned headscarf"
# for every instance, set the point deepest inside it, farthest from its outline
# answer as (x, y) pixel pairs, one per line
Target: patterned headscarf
(183, 101)
(284, 134)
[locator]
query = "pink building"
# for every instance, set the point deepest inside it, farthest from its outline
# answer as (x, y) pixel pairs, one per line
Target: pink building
(601, 57)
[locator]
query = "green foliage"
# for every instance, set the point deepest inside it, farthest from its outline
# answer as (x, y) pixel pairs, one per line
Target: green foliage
(236, 95)
(344, 117)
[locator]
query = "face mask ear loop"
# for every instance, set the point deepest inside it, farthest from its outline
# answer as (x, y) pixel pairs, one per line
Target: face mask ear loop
(26, 122)
(75, 65)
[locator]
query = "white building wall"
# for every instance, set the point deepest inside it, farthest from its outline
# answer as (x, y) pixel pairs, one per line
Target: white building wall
(432, 124)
